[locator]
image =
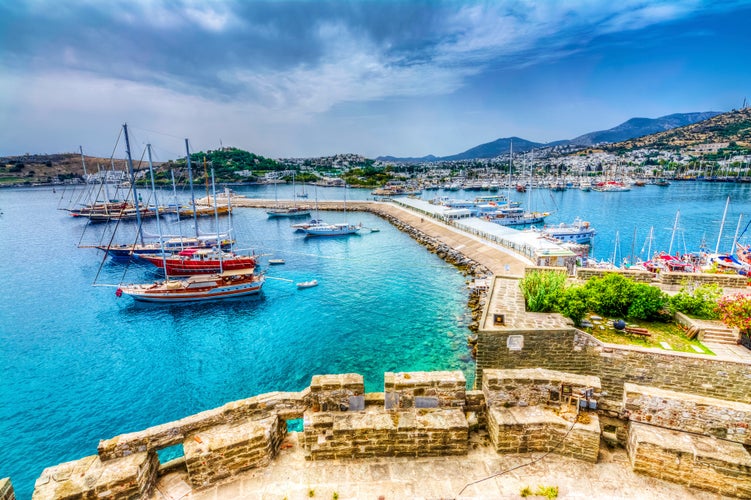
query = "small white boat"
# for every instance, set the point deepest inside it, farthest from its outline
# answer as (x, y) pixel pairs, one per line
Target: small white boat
(307, 284)
(276, 262)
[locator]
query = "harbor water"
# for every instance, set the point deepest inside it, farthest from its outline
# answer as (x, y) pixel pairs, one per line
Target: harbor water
(80, 364)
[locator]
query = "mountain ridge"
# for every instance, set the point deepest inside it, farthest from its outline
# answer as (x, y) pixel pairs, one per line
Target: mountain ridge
(630, 129)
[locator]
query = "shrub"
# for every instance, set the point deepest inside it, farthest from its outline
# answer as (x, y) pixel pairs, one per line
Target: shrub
(541, 289)
(573, 303)
(735, 311)
(649, 303)
(611, 294)
(700, 302)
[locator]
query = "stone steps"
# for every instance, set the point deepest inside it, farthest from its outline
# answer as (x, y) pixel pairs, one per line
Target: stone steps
(719, 335)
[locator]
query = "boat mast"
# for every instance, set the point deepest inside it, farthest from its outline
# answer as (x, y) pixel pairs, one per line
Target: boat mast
(156, 203)
(192, 194)
(722, 225)
(177, 209)
(136, 201)
(216, 216)
(675, 227)
(737, 228)
(83, 162)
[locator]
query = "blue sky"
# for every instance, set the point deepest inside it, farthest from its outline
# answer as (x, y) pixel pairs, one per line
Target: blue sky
(314, 78)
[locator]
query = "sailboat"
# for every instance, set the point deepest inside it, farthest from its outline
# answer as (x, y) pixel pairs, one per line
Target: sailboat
(293, 211)
(321, 228)
(205, 287)
(510, 215)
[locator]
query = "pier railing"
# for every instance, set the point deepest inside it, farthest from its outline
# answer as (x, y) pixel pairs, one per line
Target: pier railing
(517, 247)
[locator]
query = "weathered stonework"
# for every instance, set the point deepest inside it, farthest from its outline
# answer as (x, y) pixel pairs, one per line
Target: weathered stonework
(720, 279)
(333, 392)
(687, 412)
(226, 450)
(535, 428)
(696, 461)
(448, 389)
(533, 386)
(573, 351)
(130, 477)
(6, 490)
(586, 273)
(377, 433)
(287, 405)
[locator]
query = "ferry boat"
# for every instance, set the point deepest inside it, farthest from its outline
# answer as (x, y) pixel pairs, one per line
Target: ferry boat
(579, 232)
(338, 229)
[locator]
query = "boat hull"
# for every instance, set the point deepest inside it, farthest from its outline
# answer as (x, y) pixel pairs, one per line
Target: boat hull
(215, 289)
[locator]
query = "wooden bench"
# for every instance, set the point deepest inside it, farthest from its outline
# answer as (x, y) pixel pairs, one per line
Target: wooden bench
(638, 331)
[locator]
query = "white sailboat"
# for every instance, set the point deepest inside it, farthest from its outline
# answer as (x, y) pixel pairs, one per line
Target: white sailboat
(293, 211)
(338, 229)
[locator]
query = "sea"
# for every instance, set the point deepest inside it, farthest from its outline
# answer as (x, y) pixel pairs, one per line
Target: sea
(78, 364)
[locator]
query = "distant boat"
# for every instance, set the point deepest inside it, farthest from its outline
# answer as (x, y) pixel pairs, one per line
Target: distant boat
(293, 211)
(302, 226)
(577, 232)
(171, 245)
(662, 182)
(337, 229)
(307, 284)
(276, 262)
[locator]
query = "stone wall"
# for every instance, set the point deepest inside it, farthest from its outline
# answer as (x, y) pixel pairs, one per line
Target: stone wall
(226, 450)
(336, 392)
(573, 351)
(288, 405)
(586, 273)
(446, 389)
(697, 461)
(723, 280)
(533, 386)
(534, 428)
(90, 478)
(411, 433)
(6, 490)
(728, 420)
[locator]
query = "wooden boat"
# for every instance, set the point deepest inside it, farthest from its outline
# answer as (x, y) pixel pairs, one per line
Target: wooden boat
(307, 284)
(229, 284)
(171, 245)
(201, 261)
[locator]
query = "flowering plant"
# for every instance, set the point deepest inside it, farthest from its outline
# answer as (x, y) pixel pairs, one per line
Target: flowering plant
(735, 311)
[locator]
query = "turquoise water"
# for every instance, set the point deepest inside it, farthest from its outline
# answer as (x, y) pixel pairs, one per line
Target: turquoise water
(80, 365)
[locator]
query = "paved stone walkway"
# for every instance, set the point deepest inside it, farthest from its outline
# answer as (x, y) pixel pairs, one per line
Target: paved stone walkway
(290, 476)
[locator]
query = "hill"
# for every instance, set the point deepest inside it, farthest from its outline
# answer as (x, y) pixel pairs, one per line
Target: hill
(33, 169)
(732, 127)
(635, 127)
(638, 127)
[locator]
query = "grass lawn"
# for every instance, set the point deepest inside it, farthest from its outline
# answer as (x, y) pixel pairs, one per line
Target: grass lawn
(671, 333)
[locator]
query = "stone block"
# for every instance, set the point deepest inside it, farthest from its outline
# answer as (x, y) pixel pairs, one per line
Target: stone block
(532, 386)
(333, 392)
(681, 411)
(378, 433)
(226, 450)
(534, 428)
(409, 389)
(6, 490)
(703, 462)
(122, 478)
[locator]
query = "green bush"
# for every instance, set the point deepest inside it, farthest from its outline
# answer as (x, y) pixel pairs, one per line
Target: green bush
(574, 303)
(649, 303)
(611, 294)
(541, 290)
(700, 302)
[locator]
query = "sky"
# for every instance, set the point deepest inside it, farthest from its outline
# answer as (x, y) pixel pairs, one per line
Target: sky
(312, 78)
